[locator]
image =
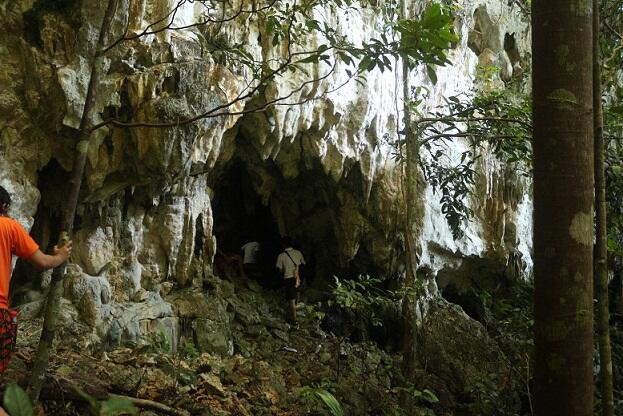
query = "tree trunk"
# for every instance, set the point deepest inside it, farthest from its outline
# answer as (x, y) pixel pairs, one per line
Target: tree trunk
(619, 295)
(602, 309)
(409, 353)
(563, 206)
(69, 212)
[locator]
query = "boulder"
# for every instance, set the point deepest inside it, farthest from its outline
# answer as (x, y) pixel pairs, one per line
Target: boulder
(207, 318)
(94, 249)
(458, 350)
(132, 323)
(213, 335)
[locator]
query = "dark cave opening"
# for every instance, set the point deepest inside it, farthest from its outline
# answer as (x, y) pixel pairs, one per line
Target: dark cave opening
(240, 216)
(254, 199)
(26, 279)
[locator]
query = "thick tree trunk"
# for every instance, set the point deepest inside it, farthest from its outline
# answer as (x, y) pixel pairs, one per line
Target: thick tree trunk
(563, 206)
(602, 309)
(69, 212)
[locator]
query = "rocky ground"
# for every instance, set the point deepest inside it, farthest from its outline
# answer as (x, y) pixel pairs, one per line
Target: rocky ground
(270, 373)
(235, 354)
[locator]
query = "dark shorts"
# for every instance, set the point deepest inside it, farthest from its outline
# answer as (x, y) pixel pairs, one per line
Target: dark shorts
(8, 335)
(291, 289)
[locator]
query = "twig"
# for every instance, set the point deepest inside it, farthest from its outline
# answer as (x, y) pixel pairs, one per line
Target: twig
(524, 8)
(528, 384)
(172, 14)
(151, 405)
(461, 120)
(214, 112)
(614, 31)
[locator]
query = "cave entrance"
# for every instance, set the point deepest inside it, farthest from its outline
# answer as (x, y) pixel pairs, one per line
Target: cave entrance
(26, 279)
(240, 216)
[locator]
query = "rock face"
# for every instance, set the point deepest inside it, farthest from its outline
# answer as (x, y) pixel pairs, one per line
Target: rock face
(459, 350)
(156, 202)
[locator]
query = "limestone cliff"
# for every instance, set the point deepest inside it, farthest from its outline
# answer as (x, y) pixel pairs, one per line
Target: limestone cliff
(155, 200)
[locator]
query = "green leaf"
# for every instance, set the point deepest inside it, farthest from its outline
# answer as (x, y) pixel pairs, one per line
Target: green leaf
(429, 396)
(331, 402)
(617, 109)
(309, 59)
(116, 406)
(16, 401)
(345, 58)
(432, 74)
(93, 403)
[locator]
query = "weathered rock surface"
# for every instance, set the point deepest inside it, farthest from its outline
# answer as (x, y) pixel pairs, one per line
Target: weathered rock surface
(270, 364)
(323, 169)
(208, 320)
(459, 351)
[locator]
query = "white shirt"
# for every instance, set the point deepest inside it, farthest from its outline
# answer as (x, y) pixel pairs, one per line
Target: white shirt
(250, 251)
(286, 265)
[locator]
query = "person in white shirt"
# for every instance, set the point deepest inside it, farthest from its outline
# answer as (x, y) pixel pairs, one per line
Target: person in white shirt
(288, 264)
(250, 264)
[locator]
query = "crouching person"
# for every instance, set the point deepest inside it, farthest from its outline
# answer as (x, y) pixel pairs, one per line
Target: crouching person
(14, 240)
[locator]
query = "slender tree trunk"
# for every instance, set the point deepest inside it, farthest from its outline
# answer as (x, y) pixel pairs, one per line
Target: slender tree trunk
(602, 309)
(69, 212)
(409, 353)
(618, 293)
(563, 206)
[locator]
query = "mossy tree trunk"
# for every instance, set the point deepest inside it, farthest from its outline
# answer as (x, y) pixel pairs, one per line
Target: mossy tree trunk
(68, 213)
(601, 240)
(563, 206)
(410, 182)
(411, 237)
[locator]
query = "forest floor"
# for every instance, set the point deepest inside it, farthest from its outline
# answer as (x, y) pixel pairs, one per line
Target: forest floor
(276, 370)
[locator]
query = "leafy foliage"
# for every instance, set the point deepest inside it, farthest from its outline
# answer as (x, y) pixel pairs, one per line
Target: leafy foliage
(613, 128)
(110, 407)
(509, 322)
(498, 121)
(454, 182)
(188, 350)
(428, 39)
(117, 406)
(16, 401)
(364, 295)
(327, 398)
(156, 342)
(291, 27)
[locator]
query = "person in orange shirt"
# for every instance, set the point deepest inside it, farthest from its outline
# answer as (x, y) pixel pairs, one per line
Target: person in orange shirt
(14, 240)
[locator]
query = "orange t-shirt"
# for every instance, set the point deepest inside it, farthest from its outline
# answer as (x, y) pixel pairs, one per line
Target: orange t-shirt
(14, 240)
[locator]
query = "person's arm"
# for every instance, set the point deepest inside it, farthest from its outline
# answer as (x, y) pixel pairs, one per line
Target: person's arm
(44, 261)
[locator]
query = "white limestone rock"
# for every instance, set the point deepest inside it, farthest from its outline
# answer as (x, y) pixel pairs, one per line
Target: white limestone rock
(94, 249)
(146, 190)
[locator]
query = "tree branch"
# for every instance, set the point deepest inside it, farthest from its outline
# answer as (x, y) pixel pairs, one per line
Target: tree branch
(214, 112)
(147, 31)
(613, 31)
(465, 134)
(172, 12)
(466, 120)
(151, 405)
